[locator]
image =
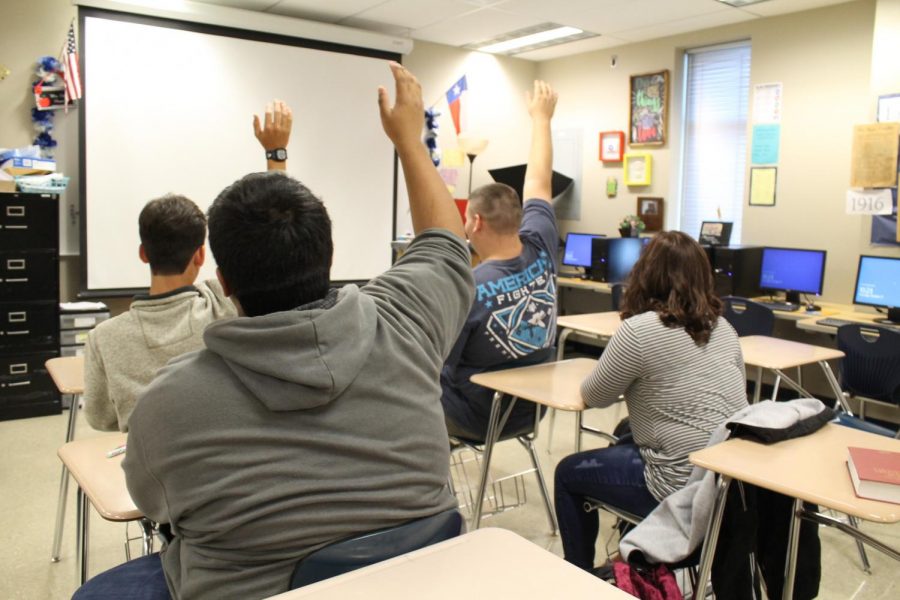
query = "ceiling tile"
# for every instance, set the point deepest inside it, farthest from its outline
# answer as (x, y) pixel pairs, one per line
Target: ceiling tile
(780, 7)
(474, 27)
(415, 13)
(633, 14)
(560, 11)
(684, 25)
(576, 47)
(317, 10)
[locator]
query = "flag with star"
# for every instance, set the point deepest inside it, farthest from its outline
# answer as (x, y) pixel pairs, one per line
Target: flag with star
(454, 99)
(71, 72)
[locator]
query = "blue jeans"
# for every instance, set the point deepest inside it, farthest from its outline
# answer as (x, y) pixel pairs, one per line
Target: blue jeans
(138, 579)
(614, 475)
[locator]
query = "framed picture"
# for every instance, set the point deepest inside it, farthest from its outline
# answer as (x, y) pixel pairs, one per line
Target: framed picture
(649, 109)
(888, 108)
(650, 210)
(612, 146)
(638, 168)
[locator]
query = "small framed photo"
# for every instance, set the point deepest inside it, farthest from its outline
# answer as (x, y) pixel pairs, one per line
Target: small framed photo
(650, 210)
(638, 168)
(612, 146)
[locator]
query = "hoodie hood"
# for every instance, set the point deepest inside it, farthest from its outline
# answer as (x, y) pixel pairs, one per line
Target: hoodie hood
(298, 359)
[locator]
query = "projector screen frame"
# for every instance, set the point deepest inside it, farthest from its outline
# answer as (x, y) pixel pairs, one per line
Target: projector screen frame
(85, 12)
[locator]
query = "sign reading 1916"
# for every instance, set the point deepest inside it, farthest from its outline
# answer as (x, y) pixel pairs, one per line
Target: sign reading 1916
(869, 202)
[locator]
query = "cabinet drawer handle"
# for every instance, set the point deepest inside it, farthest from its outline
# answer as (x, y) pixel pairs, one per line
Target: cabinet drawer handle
(15, 211)
(15, 264)
(16, 280)
(17, 317)
(19, 383)
(18, 368)
(23, 332)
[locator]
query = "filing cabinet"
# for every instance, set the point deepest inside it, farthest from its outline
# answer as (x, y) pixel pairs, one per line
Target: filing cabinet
(29, 303)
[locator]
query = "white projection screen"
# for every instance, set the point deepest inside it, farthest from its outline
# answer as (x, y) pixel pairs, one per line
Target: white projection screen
(168, 107)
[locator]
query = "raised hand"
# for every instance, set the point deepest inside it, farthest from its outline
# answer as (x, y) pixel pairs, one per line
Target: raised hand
(275, 131)
(402, 122)
(542, 101)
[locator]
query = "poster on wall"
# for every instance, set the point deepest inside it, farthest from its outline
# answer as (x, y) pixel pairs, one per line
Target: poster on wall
(767, 103)
(649, 109)
(873, 159)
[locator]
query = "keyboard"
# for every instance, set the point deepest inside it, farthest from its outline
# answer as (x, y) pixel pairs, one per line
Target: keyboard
(785, 306)
(832, 322)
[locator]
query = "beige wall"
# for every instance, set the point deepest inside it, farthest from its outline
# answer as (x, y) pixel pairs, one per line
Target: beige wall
(833, 62)
(824, 60)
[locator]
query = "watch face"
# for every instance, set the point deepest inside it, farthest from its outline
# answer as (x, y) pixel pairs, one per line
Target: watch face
(279, 154)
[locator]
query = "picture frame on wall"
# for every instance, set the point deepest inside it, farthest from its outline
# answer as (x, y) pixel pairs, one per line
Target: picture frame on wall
(638, 168)
(648, 109)
(650, 210)
(612, 146)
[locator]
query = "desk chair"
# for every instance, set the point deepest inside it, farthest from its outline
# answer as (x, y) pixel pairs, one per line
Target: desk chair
(870, 369)
(748, 317)
(370, 548)
(617, 289)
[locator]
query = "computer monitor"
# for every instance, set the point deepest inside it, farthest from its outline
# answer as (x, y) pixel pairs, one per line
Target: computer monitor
(578, 249)
(622, 256)
(715, 233)
(878, 284)
(793, 271)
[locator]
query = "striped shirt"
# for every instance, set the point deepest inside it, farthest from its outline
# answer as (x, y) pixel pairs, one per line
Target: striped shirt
(677, 392)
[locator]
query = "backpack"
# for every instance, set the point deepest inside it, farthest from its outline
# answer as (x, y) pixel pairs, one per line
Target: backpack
(652, 583)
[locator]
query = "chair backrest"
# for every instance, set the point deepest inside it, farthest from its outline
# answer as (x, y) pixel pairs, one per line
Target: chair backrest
(617, 290)
(871, 363)
(748, 317)
(354, 553)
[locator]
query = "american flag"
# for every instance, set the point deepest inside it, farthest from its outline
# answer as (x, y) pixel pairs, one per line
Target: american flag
(71, 72)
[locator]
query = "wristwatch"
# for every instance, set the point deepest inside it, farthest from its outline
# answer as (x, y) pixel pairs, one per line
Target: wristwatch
(278, 154)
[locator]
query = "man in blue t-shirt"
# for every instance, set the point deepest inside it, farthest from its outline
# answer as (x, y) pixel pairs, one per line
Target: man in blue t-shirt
(513, 319)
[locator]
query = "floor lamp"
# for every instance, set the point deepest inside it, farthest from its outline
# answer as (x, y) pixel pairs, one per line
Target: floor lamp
(472, 146)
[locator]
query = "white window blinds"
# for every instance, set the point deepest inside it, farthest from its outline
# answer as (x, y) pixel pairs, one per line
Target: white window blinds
(717, 91)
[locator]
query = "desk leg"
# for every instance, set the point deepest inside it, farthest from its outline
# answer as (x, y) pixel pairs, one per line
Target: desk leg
(560, 353)
(63, 485)
(775, 386)
(712, 537)
(757, 389)
(493, 432)
(81, 535)
(790, 567)
(835, 386)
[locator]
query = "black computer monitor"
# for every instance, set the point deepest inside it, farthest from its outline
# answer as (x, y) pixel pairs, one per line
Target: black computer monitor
(577, 252)
(715, 233)
(878, 284)
(793, 271)
(622, 256)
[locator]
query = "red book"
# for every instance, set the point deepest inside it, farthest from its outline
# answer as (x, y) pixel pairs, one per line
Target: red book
(875, 474)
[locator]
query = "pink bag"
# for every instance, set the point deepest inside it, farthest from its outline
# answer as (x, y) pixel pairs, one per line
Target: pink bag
(656, 583)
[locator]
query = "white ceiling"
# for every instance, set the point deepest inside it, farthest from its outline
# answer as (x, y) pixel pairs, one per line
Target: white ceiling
(461, 22)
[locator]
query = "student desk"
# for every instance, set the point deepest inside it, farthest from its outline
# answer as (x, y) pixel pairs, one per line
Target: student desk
(102, 480)
(775, 354)
(812, 469)
(556, 385)
(68, 376)
(600, 326)
(488, 563)
(810, 324)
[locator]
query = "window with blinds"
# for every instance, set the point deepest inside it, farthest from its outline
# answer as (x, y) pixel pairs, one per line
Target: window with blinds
(716, 95)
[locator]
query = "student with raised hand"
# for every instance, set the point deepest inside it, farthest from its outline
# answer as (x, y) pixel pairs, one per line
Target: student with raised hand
(123, 354)
(679, 364)
(513, 319)
(314, 416)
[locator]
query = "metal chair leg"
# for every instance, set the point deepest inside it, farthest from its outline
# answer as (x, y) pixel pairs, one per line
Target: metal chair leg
(492, 434)
(548, 505)
(757, 388)
(82, 531)
(790, 567)
(147, 535)
(863, 557)
(712, 537)
(64, 485)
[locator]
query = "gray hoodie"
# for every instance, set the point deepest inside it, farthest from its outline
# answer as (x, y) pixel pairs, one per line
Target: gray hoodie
(297, 429)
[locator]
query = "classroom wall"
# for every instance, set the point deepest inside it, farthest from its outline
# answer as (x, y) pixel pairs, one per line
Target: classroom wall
(824, 58)
(494, 108)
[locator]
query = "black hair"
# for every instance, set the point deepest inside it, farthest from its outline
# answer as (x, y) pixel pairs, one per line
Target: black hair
(271, 239)
(171, 230)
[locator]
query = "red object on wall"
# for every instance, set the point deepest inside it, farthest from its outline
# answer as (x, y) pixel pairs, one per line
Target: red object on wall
(461, 206)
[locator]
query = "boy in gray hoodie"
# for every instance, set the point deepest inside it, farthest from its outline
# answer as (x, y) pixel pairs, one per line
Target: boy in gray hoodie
(314, 416)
